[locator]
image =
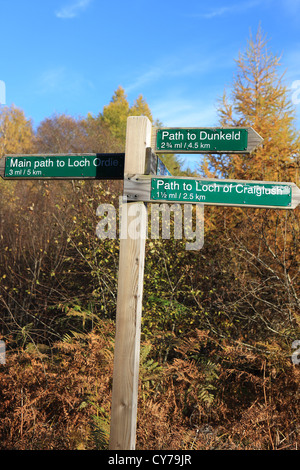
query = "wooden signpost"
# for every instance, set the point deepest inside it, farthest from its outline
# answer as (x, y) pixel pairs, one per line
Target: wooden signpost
(129, 300)
(146, 179)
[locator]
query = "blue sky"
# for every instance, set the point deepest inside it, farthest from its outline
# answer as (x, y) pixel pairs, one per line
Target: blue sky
(69, 56)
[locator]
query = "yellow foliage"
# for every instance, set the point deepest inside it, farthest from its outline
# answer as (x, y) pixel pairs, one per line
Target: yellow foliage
(16, 133)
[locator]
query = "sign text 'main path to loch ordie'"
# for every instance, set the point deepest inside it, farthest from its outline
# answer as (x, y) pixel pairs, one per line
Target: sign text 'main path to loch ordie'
(70, 166)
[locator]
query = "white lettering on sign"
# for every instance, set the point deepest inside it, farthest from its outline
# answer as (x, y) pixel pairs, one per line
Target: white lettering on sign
(172, 135)
(221, 135)
(47, 163)
(212, 187)
(71, 162)
(16, 163)
(203, 135)
(80, 162)
(107, 162)
(168, 185)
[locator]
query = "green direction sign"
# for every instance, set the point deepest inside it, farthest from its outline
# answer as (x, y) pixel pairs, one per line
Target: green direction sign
(206, 140)
(72, 166)
(210, 191)
(236, 193)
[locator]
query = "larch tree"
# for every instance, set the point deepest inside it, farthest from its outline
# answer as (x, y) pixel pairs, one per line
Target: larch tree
(114, 119)
(114, 115)
(259, 247)
(140, 108)
(260, 99)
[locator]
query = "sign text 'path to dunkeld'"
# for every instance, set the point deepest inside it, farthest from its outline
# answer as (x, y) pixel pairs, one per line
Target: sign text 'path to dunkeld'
(205, 140)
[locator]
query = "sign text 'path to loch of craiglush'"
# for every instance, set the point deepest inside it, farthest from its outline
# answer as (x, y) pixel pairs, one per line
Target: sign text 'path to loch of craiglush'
(217, 192)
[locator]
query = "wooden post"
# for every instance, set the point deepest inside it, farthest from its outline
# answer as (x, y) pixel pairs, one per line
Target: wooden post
(129, 300)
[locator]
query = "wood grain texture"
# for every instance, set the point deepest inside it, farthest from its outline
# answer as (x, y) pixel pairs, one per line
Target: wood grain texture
(129, 300)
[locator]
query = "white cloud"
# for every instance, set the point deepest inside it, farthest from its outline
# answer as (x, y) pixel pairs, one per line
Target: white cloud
(185, 112)
(73, 10)
(234, 8)
(52, 79)
(180, 67)
(152, 75)
(59, 80)
(217, 12)
(169, 83)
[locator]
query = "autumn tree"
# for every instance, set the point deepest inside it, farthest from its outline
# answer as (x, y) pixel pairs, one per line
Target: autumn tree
(61, 133)
(259, 248)
(115, 114)
(16, 133)
(260, 99)
(100, 137)
(140, 108)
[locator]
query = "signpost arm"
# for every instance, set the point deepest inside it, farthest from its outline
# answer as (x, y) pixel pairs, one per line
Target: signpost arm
(129, 300)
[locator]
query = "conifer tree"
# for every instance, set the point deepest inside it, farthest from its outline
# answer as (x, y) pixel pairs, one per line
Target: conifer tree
(114, 118)
(259, 247)
(140, 108)
(260, 99)
(115, 114)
